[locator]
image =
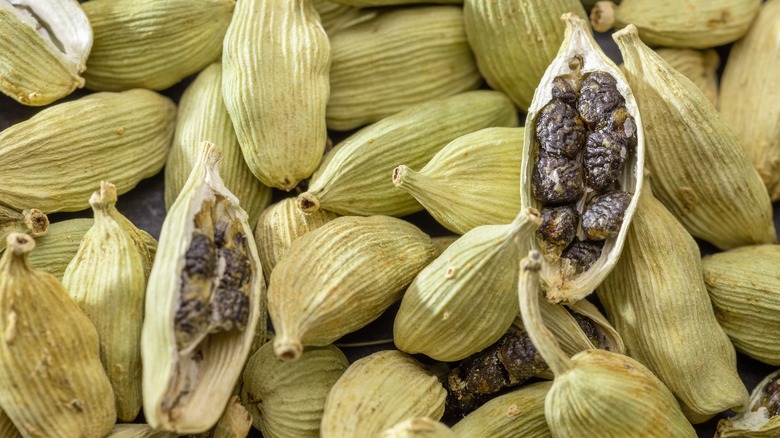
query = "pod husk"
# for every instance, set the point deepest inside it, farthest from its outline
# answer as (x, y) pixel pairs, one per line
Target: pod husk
(202, 117)
(368, 3)
(356, 267)
(418, 427)
(287, 399)
(153, 44)
(745, 293)
(471, 182)
(276, 88)
(335, 16)
(700, 66)
(355, 177)
(395, 61)
(559, 283)
(138, 431)
(32, 221)
(54, 251)
(756, 421)
(234, 423)
(378, 391)
(54, 160)
(7, 428)
(500, 33)
(752, 91)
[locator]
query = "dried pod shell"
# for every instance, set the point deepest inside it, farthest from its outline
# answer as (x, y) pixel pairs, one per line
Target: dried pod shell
(679, 23)
(152, 44)
(32, 221)
(45, 48)
(356, 267)
(7, 428)
(280, 225)
(418, 427)
(54, 251)
(48, 347)
(500, 32)
(472, 181)
(54, 160)
(518, 413)
(377, 69)
(579, 53)
(336, 16)
(745, 293)
(464, 300)
(276, 88)
(205, 298)
(354, 178)
(370, 3)
(657, 300)
(378, 391)
(202, 117)
(138, 431)
(287, 399)
(752, 91)
(700, 66)
(761, 419)
(687, 138)
(443, 242)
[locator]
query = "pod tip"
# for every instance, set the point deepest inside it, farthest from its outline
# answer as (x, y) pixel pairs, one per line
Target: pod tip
(399, 173)
(288, 350)
(308, 203)
(20, 243)
(36, 222)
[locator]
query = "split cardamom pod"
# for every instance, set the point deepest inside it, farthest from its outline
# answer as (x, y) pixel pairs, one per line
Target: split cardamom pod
(657, 300)
(354, 178)
(594, 393)
(276, 88)
(687, 138)
(751, 90)
(152, 44)
(745, 293)
(418, 427)
(54, 251)
(465, 300)
(696, 24)
(377, 69)
(51, 379)
(205, 299)
(378, 391)
(202, 117)
(45, 46)
(138, 431)
(355, 268)
(514, 42)
(32, 222)
(54, 160)
(287, 399)
(700, 66)
(472, 181)
(761, 419)
(582, 164)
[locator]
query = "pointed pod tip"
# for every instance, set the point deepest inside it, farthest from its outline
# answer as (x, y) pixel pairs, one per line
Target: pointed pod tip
(628, 33)
(399, 173)
(210, 153)
(288, 350)
(105, 196)
(20, 243)
(602, 16)
(308, 203)
(36, 221)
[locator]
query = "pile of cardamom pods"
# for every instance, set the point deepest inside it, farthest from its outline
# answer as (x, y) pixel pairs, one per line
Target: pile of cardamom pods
(302, 154)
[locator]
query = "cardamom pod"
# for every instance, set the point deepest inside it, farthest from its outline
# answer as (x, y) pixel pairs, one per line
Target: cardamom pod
(152, 44)
(355, 268)
(377, 69)
(138, 431)
(54, 251)
(594, 393)
(698, 24)
(280, 225)
(445, 312)
(752, 92)
(276, 88)
(202, 117)
(7, 428)
(700, 66)
(336, 16)
(745, 293)
(443, 242)
(45, 46)
(51, 379)
(205, 299)
(471, 182)
(371, 3)
(761, 419)
(354, 178)
(657, 300)
(378, 391)
(418, 427)
(287, 399)
(54, 160)
(582, 164)
(234, 423)
(514, 42)
(687, 138)
(32, 222)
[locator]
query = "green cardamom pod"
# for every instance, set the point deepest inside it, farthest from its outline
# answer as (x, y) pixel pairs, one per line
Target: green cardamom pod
(32, 222)
(372, 3)
(336, 16)
(138, 431)
(761, 419)
(700, 66)
(54, 251)
(234, 423)
(418, 427)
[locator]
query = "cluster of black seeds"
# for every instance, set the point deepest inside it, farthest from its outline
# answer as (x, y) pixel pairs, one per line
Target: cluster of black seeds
(584, 135)
(772, 397)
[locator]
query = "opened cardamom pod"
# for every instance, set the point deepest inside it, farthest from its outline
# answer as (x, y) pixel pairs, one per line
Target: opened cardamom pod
(32, 222)
(761, 419)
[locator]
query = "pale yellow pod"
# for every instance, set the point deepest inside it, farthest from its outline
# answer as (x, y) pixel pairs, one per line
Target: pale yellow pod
(202, 117)
(51, 380)
(419, 427)
(44, 49)
(751, 90)
(54, 251)
(234, 423)
(54, 160)
(336, 16)
(514, 42)
(472, 181)
(287, 399)
(280, 225)
(695, 24)
(367, 3)
(443, 242)
(153, 44)
(396, 60)
(761, 419)
(7, 428)
(354, 178)
(138, 431)
(700, 66)
(32, 221)
(276, 88)
(378, 391)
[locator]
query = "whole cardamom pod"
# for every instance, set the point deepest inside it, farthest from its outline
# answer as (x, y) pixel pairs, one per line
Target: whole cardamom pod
(700, 66)
(54, 251)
